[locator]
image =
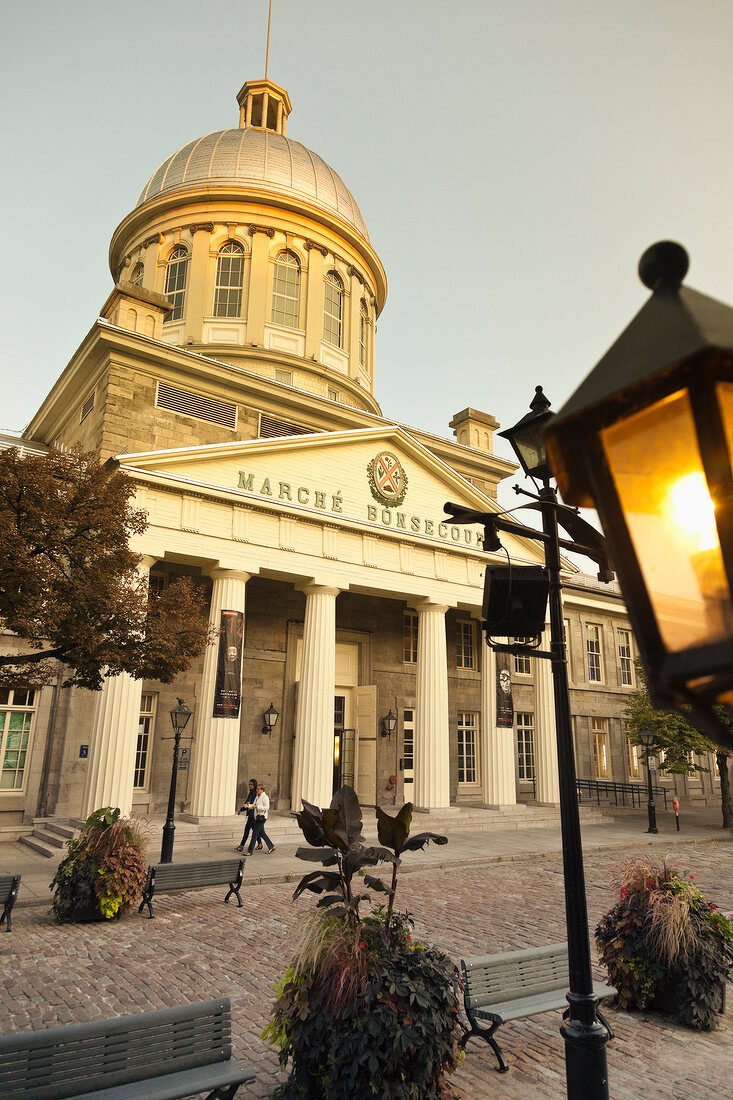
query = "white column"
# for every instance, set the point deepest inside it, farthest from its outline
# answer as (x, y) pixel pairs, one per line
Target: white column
(215, 751)
(498, 784)
(432, 728)
(114, 738)
(545, 736)
(313, 750)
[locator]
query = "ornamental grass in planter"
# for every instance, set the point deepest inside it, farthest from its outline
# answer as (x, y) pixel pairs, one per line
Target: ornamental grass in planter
(666, 948)
(363, 1011)
(103, 874)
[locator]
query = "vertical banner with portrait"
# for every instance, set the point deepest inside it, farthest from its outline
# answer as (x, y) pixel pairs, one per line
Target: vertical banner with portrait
(504, 701)
(228, 685)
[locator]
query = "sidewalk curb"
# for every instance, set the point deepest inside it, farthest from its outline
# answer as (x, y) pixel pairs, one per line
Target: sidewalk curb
(440, 865)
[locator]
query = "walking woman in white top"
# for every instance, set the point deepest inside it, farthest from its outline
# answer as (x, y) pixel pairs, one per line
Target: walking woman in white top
(262, 809)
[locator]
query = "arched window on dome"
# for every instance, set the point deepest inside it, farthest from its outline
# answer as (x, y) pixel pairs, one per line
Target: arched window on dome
(175, 281)
(363, 333)
(333, 309)
(286, 290)
(229, 278)
(137, 274)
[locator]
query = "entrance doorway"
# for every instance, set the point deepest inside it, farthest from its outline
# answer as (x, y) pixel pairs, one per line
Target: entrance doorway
(344, 743)
(408, 747)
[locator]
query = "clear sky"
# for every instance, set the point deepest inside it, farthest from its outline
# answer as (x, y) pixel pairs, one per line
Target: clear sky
(512, 159)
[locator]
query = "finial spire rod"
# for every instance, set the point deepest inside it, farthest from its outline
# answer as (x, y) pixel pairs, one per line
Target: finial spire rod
(267, 52)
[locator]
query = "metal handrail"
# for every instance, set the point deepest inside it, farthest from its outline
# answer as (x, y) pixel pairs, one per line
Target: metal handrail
(608, 788)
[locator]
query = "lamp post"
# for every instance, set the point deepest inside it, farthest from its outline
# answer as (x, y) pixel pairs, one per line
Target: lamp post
(180, 716)
(647, 440)
(647, 739)
(585, 1037)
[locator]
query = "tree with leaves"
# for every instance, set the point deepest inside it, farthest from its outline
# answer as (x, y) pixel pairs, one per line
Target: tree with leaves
(676, 739)
(70, 588)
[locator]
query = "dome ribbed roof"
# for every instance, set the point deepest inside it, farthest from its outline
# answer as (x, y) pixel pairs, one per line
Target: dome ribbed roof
(263, 160)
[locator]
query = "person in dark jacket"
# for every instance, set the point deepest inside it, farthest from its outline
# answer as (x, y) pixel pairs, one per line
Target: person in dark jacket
(249, 809)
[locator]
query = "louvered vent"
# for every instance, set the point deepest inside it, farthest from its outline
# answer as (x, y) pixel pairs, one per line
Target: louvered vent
(87, 406)
(196, 405)
(270, 427)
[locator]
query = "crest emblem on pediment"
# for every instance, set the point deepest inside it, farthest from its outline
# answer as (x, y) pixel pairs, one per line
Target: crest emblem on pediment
(387, 479)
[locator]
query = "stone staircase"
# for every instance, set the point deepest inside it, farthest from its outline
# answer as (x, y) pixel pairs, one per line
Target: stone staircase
(49, 835)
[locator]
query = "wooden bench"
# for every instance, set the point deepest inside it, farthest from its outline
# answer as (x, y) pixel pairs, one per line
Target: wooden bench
(9, 886)
(514, 984)
(161, 1055)
(163, 877)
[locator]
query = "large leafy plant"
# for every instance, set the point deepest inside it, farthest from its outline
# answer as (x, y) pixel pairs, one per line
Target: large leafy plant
(339, 830)
(103, 873)
(664, 945)
(363, 1010)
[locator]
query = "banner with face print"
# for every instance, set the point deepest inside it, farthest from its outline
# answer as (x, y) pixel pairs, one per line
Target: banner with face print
(504, 700)
(228, 687)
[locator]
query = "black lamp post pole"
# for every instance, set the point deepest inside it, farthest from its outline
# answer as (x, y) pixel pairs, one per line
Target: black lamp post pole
(650, 807)
(585, 1038)
(169, 829)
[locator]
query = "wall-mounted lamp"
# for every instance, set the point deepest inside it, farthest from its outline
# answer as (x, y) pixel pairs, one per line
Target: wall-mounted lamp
(270, 716)
(389, 724)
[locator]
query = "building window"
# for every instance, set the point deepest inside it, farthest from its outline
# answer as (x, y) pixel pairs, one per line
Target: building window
(467, 746)
(633, 760)
(285, 376)
(137, 274)
(692, 773)
(333, 310)
(410, 651)
(175, 282)
(664, 773)
(334, 395)
(286, 290)
(466, 644)
(363, 330)
(521, 661)
(600, 748)
(625, 658)
(525, 746)
(145, 728)
(593, 650)
(17, 708)
(229, 278)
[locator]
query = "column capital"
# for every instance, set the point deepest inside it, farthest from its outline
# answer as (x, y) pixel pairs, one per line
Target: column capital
(229, 574)
(320, 590)
(146, 563)
(430, 605)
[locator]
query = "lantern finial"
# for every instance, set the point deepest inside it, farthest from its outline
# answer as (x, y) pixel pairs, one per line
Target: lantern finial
(664, 265)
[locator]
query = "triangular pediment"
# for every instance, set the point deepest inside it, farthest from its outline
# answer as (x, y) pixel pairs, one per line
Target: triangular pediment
(377, 477)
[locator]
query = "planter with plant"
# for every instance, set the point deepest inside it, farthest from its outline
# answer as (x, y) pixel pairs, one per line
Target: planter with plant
(103, 874)
(363, 1010)
(666, 948)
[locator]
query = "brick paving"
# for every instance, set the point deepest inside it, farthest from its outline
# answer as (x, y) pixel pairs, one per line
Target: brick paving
(196, 949)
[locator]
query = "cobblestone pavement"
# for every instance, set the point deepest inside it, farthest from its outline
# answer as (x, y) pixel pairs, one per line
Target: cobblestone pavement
(196, 949)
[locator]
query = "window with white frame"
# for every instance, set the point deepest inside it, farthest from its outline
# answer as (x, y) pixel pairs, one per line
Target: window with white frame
(522, 664)
(633, 760)
(594, 652)
(229, 279)
(285, 376)
(17, 710)
(410, 647)
(467, 746)
(137, 274)
(692, 772)
(176, 277)
(600, 748)
(363, 331)
(333, 310)
(465, 644)
(286, 290)
(143, 752)
(525, 745)
(334, 395)
(625, 658)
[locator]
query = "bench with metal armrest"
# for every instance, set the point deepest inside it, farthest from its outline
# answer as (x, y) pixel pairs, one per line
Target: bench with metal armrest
(163, 877)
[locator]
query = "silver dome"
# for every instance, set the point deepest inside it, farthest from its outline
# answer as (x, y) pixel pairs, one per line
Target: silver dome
(259, 157)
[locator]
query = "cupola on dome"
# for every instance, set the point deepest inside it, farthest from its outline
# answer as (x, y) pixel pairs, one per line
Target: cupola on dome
(258, 158)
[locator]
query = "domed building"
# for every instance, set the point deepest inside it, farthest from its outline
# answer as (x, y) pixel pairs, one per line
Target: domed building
(231, 374)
